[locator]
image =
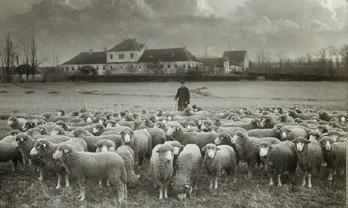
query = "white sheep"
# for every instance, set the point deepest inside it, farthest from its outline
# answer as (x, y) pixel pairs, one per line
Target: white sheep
(217, 160)
(83, 165)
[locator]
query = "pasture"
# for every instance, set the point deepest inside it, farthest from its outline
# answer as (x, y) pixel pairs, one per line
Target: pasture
(22, 189)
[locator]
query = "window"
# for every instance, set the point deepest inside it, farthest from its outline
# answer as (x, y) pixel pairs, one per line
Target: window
(132, 55)
(111, 56)
(139, 67)
(121, 67)
(103, 67)
(121, 56)
(168, 65)
(176, 66)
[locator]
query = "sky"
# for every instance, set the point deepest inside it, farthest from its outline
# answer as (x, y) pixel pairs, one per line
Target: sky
(206, 27)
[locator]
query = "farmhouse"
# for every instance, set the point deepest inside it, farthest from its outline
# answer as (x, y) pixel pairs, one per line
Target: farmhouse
(131, 56)
(235, 61)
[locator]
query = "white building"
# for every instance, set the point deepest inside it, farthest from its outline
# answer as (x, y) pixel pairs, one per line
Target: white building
(235, 61)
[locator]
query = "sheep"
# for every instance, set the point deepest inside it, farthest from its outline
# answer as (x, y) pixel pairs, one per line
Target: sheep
(254, 124)
(45, 149)
(310, 157)
(9, 152)
(161, 164)
(284, 118)
(279, 158)
(186, 177)
(17, 123)
(334, 155)
(84, 165)
(198, 138)
(267, 122)
(264, 133)
(139, 141)
(248, 149)
(292, 133)
(127, 155)
(303, 116)
(218, 159)
(158, 136)
(92, 140)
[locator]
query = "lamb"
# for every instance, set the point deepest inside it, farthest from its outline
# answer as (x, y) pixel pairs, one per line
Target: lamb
(127, 155)
(85, 165)
(310, 157)
(248, 148)
(139, 141)
(218, 159)
(198, 138)
(9, 152)
(279, 158)
(186, 177)
(161, 164)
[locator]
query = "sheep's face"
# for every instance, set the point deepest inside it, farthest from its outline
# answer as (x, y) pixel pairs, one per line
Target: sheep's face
(61, 152)
(239, 137)
(222, 139)
(42, 131)
(79, 132)
(159, 113)
(343, 119)
(205, 126)
(12, 121)
(210, 150)
(60, 113)
(14, 132)
(181, 187)
(127, 136)
(98, 129)
(255, 123)
(57, 131)
(278, 110)
(110, 124)
(29, 125)
(21, 138)
(39, 148)
(264, 149)
(173, 130)
(89, 119)
(284, 132)
(105, 146)
(102, 121)
(313, 135)
(327, 143)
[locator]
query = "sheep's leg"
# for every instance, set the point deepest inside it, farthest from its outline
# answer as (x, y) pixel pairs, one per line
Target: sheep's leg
(29, 161)
(309, 180)
(216, 183)
(83, 193)
(165, 192)
(279, 181)
(304, 180)
(67, 183)
(330, 177)
(160, 193)
(121, 191)
(271, 183)
(100, 184)
(211, 184)
(107, 183)
(125, 191)
(41, 175)
(59, 180)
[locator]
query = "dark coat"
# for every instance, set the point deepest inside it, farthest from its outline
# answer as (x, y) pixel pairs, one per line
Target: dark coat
(183, 96)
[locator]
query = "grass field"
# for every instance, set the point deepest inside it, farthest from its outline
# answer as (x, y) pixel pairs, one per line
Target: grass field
(22, 189)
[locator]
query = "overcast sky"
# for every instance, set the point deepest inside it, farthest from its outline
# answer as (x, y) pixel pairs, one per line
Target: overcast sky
(291, 27)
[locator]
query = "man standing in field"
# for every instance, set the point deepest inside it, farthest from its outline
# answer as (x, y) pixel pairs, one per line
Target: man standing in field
(182, 96)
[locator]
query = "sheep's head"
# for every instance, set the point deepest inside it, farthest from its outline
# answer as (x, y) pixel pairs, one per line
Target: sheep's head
(42, 130)
(322, 129)
(58, 130)
(255, 123)
(40, 122)
(314, 135)
(176, 145)
(173, 130)
(79, 132)
(102, 121)
(223, 138)
(182, 187)
(127, 136)
(60, 113)
(206, 124)
(12, 121)
(110, 124)
(242, 110)
(105, 145)
(301, 143)
(14, 132)
(40, 147)
(264, 150)
(98, 129)
(334, 135)
(284, 132)
(266, 120)
(210, 150)
(166, 151)
(20, 139)
(326, 143)
(159, 112)
(292, 113)
(29, 125)
(89, 119)
(239, 137)
(62, 151)
(161, 125)
(279, 110)
(283, 118)
(63, 125)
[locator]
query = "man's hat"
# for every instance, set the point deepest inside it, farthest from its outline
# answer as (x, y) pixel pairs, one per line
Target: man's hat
(182, 81)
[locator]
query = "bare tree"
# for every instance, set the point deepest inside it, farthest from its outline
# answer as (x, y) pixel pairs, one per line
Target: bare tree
(7, 57)
(263, 59)
(344, 55)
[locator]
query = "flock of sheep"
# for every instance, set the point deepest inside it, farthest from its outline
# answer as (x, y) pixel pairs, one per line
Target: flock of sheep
(111, 147)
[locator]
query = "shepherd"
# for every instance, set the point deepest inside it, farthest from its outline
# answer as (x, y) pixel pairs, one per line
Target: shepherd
(182, 97)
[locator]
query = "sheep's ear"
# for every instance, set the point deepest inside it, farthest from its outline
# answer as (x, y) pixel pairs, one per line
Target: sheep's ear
(44, 145)
(204, 149)
(307, 141)
(66, 151)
